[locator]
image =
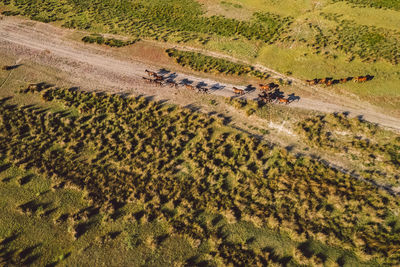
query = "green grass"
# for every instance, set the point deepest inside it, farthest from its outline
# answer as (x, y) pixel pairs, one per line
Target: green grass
(366, 16)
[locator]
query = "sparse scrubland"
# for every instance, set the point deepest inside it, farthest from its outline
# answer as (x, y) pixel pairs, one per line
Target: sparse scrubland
(149, 176)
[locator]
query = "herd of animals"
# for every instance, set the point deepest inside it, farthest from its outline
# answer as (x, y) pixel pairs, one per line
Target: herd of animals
(270, 93)
(160, 80)
(331, 81)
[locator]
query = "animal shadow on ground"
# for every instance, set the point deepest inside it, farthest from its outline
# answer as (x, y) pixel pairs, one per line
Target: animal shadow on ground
(172, 76)
(216, 87)
(185, 81)
(370, 77)
(4, 99)
(278, 93)
(201, 85)
(249, 88)
(163, 71)
(292, 97)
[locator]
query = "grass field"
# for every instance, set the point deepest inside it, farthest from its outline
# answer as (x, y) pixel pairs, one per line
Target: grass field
(210, 195)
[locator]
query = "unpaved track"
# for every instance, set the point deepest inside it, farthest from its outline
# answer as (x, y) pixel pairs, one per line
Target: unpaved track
(45, 44)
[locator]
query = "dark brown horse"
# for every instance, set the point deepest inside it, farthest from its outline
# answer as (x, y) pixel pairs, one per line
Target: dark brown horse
(282, 100)
(147, 80)
(312, 82)
(151, 73)
(360, 79)
(172, 84)
(158, 77)
(238, 91)
(191, 87)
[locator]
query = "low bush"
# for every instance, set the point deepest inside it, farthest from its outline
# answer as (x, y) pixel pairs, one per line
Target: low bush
(107, 41)
(203, 63)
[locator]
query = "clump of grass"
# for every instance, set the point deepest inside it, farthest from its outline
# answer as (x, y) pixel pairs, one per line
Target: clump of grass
(99, 39)
(249, 106)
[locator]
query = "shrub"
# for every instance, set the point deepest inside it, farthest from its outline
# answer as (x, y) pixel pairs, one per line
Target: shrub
(200, 62)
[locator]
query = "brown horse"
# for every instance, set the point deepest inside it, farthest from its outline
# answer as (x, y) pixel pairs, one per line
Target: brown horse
(282, 100)
(158, 77)
(147, 80)
(265, 87)
(203, 90)
(157, 83)
(312, 82)
(151, 73)
(172, 84)
(238, 91)
(266, 98)
(360, 79)
(191, 87)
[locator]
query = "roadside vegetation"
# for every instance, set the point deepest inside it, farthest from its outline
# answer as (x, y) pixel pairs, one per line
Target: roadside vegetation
(99, 39)
(150, 175)
(203, 63)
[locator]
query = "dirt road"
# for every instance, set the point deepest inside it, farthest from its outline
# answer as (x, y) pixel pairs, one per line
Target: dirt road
(97, 66)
